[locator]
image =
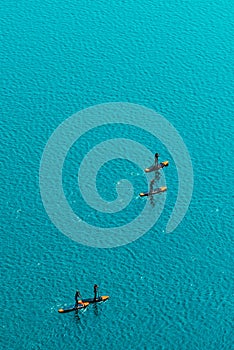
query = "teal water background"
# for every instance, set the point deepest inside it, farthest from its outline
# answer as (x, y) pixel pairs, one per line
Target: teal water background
(168, 291)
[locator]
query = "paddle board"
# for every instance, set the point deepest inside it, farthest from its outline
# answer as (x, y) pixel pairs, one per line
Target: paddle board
(73, 308)
(155, 191)
(98, 300)
(157, 167)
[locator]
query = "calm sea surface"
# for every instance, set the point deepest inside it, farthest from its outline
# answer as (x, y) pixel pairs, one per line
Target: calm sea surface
(167, 291)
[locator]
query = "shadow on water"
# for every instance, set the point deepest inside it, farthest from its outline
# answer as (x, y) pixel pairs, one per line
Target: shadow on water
(154, 181)
(95, 309)
(77, 313)
(77, 317)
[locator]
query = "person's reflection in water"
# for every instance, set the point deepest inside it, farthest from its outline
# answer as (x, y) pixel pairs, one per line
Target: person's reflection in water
(154, 183)
(77, 317)
(157, 176)
(95, 309)
(151, 197)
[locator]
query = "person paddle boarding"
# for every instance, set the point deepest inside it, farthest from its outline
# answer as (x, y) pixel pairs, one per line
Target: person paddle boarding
(95, 290)
(77, 295)
(156, 156)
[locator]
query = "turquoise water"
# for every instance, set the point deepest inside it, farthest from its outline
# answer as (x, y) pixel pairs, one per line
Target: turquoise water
(168, 291)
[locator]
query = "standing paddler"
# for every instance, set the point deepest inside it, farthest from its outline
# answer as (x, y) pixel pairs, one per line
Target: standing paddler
(95, 290)
(77, 295)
